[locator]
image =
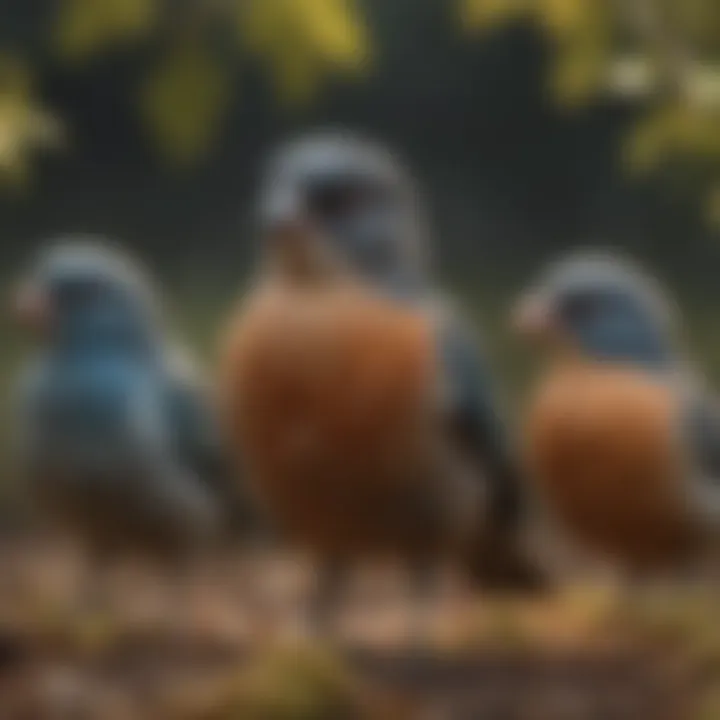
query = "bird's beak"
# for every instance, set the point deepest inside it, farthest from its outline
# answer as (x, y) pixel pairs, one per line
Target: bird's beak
(31, 307)
(533, 317)
(290, 235)
(283, 215)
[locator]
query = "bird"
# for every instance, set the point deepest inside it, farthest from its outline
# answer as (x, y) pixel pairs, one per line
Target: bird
(117, 441)
(622, 433)
(356, 394)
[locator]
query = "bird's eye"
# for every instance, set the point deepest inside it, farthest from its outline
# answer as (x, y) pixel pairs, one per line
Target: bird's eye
(580, 308)
(80, 293)
(336, 201)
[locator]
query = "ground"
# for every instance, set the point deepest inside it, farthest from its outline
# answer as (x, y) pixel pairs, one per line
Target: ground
(218, 649)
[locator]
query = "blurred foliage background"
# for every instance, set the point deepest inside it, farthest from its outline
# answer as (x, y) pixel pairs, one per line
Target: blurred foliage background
(533, 126)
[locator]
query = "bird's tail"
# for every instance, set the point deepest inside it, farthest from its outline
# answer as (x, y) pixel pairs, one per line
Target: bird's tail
(243, 522)
(498, 560)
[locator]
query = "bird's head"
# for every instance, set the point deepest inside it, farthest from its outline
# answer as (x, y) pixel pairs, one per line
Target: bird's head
(81, 292)
(355, 194)
(601, 308)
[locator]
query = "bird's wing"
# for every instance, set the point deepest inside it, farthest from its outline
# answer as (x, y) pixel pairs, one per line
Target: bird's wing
(473, 415)
(26, 398)
(701, 433)
(165, 490)
(197, 440)
(497, 552)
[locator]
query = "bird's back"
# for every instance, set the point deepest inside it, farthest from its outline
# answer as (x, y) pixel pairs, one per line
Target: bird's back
(604, 445)
(328, 394)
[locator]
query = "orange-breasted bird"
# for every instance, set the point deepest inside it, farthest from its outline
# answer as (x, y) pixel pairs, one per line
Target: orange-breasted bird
(622, 436)
(357, 400)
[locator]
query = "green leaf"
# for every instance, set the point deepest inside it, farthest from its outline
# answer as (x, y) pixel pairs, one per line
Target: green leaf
(184, 100)
(486, 15)
(302, 41)
(25, 126)
(84, 28)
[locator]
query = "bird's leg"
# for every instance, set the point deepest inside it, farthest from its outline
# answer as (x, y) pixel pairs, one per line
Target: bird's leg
(96, 602)
(96, 596)
(640, 588)
(501, 562)
(425, 595)
(185, 581)
(329, 583)
(261, 598)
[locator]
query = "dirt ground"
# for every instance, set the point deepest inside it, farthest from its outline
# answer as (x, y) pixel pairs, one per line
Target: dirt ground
(228, 642)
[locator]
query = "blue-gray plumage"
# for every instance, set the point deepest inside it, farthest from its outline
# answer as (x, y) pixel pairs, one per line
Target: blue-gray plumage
(363, 198)
(474, 417)
(610, 309)
(116, 440)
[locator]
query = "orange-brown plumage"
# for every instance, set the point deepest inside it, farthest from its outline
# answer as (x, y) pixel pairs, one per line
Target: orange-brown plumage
(603, 445)
(328, 392)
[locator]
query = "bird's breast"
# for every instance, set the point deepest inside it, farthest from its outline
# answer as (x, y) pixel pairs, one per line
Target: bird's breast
(328, 397)
(604, 447)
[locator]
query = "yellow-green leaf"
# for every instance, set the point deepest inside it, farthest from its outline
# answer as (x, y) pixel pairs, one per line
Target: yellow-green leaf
(485, 15)
(564, 18)
(302, 41)
(25, 126)
(578, 73)
(86, 27)
(184, 100)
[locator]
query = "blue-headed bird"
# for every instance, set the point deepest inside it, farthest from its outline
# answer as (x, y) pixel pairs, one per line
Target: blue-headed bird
(356, 396)
(622, 437)
(117, 439)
